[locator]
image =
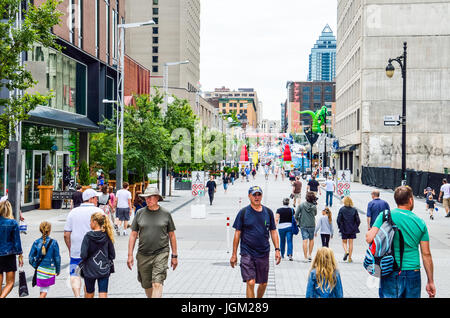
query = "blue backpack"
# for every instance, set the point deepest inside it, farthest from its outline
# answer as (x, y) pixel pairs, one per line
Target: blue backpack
(380, 258)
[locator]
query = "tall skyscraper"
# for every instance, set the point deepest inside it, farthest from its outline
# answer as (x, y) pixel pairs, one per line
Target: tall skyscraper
(322, 60)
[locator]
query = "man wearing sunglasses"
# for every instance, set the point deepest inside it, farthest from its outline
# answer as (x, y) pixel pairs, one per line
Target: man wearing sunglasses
(253, 225)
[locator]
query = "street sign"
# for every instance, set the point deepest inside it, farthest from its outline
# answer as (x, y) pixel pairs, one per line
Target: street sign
(343, 182)
(198, 183)
(392, 120)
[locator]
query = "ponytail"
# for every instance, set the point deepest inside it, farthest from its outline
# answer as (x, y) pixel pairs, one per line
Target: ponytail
(45, 229)
(328, 212)
(105, 224)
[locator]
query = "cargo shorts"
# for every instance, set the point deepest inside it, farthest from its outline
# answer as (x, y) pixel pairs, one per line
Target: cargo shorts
(152, 269)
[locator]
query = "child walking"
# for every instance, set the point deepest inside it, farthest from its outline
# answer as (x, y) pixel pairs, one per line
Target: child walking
(325, 225)
(97, 254)
(324, 279)
(430, 204)
(44, 257)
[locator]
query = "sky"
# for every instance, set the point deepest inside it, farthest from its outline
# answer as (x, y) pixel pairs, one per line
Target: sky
(260, 44)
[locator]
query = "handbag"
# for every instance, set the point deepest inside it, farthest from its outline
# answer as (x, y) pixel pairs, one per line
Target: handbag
(291, 196)
(295, 229)
(34, 280)
(23, 288)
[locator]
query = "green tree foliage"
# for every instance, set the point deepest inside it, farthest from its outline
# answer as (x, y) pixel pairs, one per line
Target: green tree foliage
(84, 174)
(36, 27)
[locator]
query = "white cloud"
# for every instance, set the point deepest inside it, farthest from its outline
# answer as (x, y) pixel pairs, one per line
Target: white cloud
(260, 44)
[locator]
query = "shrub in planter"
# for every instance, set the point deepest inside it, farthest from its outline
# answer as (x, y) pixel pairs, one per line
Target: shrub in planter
(46, 189)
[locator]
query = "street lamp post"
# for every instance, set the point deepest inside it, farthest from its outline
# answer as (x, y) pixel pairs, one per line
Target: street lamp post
(120, 99)
(401, 60)
(166, 97)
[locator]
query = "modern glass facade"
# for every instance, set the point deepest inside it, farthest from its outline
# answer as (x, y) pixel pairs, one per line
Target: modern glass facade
(61, 75)
(43, 145)
(322, 60)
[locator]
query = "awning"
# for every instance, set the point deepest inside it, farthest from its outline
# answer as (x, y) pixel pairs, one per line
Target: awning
(346, 148)
(54, 117)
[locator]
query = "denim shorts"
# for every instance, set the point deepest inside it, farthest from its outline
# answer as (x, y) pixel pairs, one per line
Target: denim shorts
(307, 233)
(102, 284)
(73, 266)
(123, 214)
(405, 285)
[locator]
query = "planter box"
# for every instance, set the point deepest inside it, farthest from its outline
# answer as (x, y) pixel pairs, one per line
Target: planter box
(84, 188)
(183, 185)
(45, 197)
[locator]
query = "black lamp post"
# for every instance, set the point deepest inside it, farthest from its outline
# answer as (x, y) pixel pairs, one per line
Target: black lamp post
(401, 60)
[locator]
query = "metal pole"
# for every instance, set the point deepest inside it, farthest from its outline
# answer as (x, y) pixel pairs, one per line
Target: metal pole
(120, 112)
(166, 93)
(404, 117)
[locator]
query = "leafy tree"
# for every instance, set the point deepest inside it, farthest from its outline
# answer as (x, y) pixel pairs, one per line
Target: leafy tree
(36, 27)
(84, 174)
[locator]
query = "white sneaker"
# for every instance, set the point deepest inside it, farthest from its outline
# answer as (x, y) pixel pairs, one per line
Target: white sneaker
(125, 233)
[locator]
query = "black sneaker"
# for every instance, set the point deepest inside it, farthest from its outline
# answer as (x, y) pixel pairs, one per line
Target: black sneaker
(448, 215)
(345, 256)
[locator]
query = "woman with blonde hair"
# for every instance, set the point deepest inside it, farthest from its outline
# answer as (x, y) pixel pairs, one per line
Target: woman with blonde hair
(45, 259)
(97, 254)
(10, 246)
(324, 279)
(348, 223)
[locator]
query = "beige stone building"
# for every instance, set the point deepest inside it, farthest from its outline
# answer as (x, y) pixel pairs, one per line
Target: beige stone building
(369, 32)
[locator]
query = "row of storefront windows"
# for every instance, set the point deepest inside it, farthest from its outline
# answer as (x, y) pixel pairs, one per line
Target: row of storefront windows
(42, 145)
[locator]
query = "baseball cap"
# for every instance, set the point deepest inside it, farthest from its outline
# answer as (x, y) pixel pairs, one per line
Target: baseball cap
(90, 193)
(254, 190)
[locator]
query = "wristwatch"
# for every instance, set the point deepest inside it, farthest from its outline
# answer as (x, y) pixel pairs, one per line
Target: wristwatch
(277, 249)
(174, 256)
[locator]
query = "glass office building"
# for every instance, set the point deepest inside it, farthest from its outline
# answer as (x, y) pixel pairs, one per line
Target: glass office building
(322, 60)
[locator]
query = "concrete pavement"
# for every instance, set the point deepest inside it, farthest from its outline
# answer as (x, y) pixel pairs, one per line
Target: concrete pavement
(204, 250)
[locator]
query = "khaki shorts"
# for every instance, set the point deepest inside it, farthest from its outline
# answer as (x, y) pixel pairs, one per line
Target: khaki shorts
(152, 269)
(297, 195)
(446, 203)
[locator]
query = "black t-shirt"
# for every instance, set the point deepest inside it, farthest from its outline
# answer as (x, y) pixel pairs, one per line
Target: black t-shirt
(225, 180)
(211, 185)
(313, 185)
(285, 215)
(77, 198)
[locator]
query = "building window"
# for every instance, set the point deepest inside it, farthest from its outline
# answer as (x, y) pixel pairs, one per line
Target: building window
(155, 19)
(317, 97)
(64, 76)
(155, 11)
(155, 69)
(317, 89)
(155, 2)
(306, 89)
(357, 119)
(155, 40)
(327, 97)
(108, 31)
(80, 23)
(155, 49)
(328, 89)
(155, 30)
(155, 59)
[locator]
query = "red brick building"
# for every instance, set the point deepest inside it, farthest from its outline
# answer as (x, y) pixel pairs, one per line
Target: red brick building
(137, 79)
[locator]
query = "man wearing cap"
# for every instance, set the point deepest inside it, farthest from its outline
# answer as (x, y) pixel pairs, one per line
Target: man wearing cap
(78, 223)
(253, 225)
(155, 228)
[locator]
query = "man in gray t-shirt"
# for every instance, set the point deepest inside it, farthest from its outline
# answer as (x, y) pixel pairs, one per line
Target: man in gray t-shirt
(156, 229)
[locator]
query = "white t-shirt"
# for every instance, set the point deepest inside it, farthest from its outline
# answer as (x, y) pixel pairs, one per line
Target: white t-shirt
(329, 186)
(122, 197)
(446, 189)
(79, 223)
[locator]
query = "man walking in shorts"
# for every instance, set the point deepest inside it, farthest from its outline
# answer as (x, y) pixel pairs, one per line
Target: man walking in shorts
(253, 225)
(445, 193)
(78, 223)
(155, 228)
(406, 282)
(296, 190)
(124, 208)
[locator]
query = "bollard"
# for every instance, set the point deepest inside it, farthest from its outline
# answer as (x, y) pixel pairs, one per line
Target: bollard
(228, 234)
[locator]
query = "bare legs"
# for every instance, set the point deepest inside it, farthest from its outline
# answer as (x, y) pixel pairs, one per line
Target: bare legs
(10, 277)
(155, 291)
(251, 289)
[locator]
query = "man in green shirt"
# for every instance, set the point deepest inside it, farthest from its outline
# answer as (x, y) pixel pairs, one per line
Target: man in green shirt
(406, 283)
(155, 228)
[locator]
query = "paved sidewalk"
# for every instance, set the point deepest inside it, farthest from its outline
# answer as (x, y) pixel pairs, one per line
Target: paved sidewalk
(204, 248)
